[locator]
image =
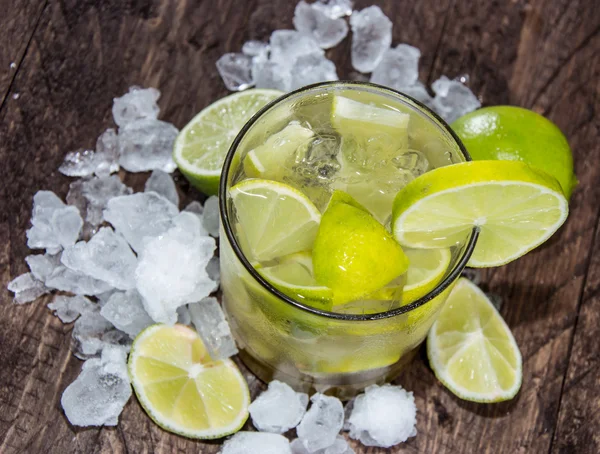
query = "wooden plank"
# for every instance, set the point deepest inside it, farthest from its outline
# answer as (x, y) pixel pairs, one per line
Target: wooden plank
(18, 19)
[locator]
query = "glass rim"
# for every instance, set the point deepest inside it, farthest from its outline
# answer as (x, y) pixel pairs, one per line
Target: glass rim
(225, 221)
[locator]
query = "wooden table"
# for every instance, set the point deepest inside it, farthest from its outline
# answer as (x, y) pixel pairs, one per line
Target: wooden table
(62, 62)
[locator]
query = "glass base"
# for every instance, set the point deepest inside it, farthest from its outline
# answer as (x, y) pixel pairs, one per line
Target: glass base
(344, 386)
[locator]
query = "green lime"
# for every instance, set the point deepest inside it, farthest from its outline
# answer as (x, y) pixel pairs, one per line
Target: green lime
(516, 208)
(515, 134)
(471, 349)
(201, 146)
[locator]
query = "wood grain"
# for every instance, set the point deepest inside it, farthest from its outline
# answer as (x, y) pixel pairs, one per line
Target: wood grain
(78, 55)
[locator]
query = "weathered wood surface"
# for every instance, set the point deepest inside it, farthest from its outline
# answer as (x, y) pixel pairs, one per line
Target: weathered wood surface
(74, 56)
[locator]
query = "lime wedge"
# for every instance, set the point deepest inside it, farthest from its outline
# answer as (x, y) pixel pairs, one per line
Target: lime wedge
(201, 146)
(427, 268)
(275, 218)
(516, 208)
(181, 389)
(471, 349)
(269, 160)
(293, 275)
(353, 254)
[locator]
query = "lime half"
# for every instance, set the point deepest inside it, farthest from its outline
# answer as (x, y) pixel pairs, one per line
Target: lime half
(275, 219)
(516, 208)
(181, 389)
(201, 146)
(471, 349)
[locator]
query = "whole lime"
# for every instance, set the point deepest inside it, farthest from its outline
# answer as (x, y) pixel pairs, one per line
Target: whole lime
(515, 134)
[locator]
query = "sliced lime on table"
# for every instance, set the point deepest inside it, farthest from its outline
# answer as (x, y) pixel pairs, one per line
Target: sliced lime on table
(471, 349)
(201, 146)
(182, 389)
(277, 219)
(516, 208)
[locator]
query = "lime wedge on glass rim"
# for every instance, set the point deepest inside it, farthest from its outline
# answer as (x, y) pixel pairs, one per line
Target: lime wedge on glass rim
(182, 389)
(471, 349)
(515, 207)
(201, 146)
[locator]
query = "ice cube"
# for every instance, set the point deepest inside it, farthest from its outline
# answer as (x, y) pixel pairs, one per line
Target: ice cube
(209, 320)
(97, 192)
(87, 334)
(453, 99)
(278, 409)
(321, 423)
(235, 70)
(147, 144)
(140, 215)
(210, 216)
(67, 280)
(371, 38)
(68, 308)
(256, 443)
(398, 68)
(383, 416)
(183, 316)
(42, 265)
(79, 163)
(26, 288)
(334, 8)
(412, 160)
(137, 104)
(162, 183)
(339, 446)
(194, 207)
(254, 48)
(105, 296)
(310, 69)
(313, 20)
(418, 92)
(288, 45)
(213, 269)
(54, 224)
(126, 312)
(171, 269)
(268, 74)
(99, 393)
(107, 153)
(106, 257)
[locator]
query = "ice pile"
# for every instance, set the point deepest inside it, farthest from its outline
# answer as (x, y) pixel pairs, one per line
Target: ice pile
(383, 416)
(295, 58)
(278, 409)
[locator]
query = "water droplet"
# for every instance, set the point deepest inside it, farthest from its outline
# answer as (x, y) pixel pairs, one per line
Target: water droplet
(16, 95)
(13, 65)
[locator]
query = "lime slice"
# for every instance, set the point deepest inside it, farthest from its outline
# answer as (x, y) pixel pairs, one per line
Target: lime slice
(201, 146)
(353, 254)
(270, 159)
(276, 219)
(293, 275)
(181, 389)
(516, 208)
(426, 270)
(471, 349)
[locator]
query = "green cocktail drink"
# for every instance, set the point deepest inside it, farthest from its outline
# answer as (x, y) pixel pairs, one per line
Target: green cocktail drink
(317, 292)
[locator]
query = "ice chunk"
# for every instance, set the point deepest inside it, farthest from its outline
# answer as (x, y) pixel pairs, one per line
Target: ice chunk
(412, 160)
(68, 308)
(79, 163)
(288, 45)
(162, 183)
(105, 296)
(107, 153)
(321, 423)
(310, 69)
(183, 315)
(334, 8)
(106, 257)
(268, 74)
(383, 416)
(55, 225)
(209, 320)
(371, 37)
(26, 288)
(339, 446)
(398, 68)
(147, 145)
(210, 216)
(418, 92)
(92, 333)
(99, 393)
(256, 443)
(171, 270)
(453, 99)
(213, 269)
(67, 280)
(254, 48)
(42, 265)
(194, 207)
(137, 104)
(235, 70)
(126, 312)
(140, 215)
(314, 20)
(97, 192)
(278, 409)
